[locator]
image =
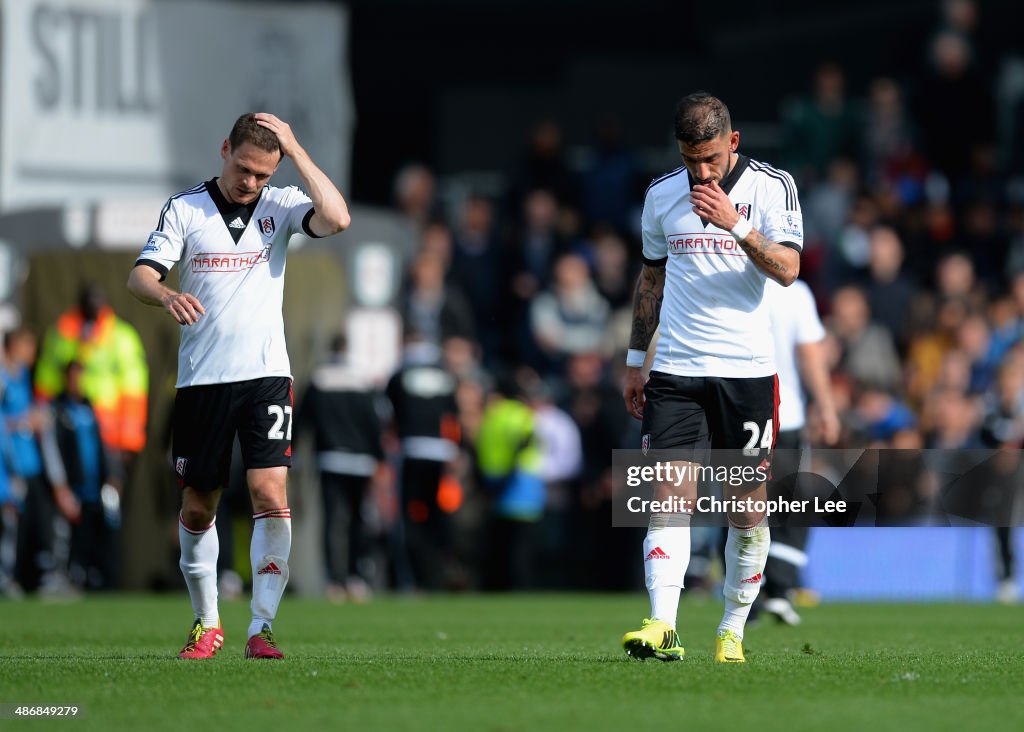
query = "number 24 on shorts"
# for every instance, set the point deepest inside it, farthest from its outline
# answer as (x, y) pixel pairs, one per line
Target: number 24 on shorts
(766, 437)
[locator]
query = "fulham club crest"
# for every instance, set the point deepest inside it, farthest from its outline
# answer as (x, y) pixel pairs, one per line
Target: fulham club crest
(645, 443)
(179, 466)
(743, 209)
(267, 225)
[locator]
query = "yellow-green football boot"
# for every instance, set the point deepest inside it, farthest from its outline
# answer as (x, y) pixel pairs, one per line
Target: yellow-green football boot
(655, 639)
(729, 648)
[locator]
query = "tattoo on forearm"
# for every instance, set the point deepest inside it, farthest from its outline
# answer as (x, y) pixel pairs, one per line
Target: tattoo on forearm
(765, 253)
(650, 288)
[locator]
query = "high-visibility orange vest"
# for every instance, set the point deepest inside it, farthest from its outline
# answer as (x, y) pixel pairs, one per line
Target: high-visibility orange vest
(115, 377)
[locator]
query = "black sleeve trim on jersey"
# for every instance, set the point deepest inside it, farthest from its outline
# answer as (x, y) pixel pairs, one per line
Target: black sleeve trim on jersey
(167, 206)
(789, 188)
(155, 265)
(654, 262)
(790, 244)
(305, 224)
(656, 181)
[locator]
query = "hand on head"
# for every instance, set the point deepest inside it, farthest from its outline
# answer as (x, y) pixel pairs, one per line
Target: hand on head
(285, 136)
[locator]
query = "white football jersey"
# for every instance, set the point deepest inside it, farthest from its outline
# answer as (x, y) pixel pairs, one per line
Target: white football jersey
(715, 319)
(795, 322)
(232, 259)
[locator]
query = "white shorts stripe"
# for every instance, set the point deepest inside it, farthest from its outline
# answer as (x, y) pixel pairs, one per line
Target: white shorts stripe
(788, 554)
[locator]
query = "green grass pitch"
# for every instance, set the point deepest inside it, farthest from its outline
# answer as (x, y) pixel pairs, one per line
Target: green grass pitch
(512, 663)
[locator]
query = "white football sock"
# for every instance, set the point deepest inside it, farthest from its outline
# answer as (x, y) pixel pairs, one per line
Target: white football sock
(666, 556)
(199, 552)
(746, 551)
(268, 552)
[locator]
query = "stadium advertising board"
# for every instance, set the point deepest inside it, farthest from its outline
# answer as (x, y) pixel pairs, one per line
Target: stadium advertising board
(125, 98)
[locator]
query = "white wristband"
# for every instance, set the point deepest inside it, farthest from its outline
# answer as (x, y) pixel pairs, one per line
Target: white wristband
(635, 358)
(741, 229)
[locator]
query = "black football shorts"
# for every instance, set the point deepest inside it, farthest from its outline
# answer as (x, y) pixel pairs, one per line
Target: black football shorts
(207, 418)
(693, 414)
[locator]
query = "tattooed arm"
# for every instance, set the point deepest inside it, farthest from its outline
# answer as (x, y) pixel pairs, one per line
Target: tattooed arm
(778, 261)
(650, 288)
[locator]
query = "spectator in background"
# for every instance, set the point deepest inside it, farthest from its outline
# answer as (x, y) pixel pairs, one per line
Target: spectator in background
(612, 273)
(538, 244)
(1006, 326)
(416, 195)
(36, 565)
(1014, 269)
(868, 353)
(848, 260)
(955, 278)
(929, 232)
(529, 265)
(985, 181)
(957, 296)
(561, 465)
(85, 468)
(974, 339)
(956, 105)
(888, 290)
(12, 496)
(422, 395)
(955, 372)
(1017, 295)
(462, 358)
(889, 137)
(415, 200)
(820, 127)
(571, 316)
(589, 398)
(609, 180)
(340, 409)
(960, 15)
(510, 460)
(928, 348)
(544, 167)
(982, 235)
(476, 267)
(829, 204)
(954, 421)
(1002, 427)
(115, 378)
(432, 307)
(878, 418)
(954, 381)
(437, 241)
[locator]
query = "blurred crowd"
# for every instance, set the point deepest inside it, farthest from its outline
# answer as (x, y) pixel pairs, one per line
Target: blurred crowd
(485, 461)
(73, 411)
(913, 201)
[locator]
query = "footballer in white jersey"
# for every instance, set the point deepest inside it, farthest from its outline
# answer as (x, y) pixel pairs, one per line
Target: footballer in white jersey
(229, 238)
(232, 258)
(800, 355)
(795, 324)
(714, 232)
(715, 318)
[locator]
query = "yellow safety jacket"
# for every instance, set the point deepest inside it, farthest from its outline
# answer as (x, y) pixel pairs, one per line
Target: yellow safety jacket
(115, 377)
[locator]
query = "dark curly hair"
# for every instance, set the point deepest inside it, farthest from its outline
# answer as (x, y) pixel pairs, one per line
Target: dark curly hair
(701, 117)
